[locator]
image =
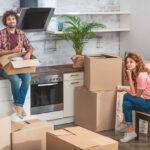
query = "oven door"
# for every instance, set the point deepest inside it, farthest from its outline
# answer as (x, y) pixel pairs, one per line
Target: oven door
(46, 97)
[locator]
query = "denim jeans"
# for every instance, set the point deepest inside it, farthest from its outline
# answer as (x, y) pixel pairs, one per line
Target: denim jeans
(18, 91)
(134, 103)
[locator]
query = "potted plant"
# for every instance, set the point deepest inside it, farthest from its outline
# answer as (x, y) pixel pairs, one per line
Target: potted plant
(77, 31)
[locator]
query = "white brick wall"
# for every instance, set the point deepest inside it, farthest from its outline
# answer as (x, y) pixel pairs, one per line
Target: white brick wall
(44, 43)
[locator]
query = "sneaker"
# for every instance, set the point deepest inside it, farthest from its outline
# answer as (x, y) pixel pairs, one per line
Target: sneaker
(23, 113)
(18, 111)
(128, 137)
(121, 126)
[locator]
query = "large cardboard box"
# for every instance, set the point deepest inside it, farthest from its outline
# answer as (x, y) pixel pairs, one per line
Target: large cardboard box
(5, 129)
(95, 110)
(30, 135)
(124, 80)
(78, 138)
(18, 67)
(102, 72)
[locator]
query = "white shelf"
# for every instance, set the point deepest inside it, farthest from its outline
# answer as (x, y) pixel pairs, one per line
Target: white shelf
(93, 13)
(96, 31)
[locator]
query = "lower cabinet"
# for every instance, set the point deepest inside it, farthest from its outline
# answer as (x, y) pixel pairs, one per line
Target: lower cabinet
(6, 99)
(71, 81)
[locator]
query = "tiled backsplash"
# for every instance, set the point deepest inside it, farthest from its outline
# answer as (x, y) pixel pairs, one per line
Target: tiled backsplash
(54, 52)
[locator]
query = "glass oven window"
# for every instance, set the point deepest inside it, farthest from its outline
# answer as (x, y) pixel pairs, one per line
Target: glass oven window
(46, 95)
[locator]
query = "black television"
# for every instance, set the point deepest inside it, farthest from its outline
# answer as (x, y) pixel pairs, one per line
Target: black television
(34, 19)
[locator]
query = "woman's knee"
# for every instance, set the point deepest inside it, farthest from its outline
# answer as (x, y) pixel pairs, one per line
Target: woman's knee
(127, 105)
(126, 96)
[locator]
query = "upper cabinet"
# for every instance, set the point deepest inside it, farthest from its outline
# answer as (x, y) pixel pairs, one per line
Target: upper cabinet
(114, 21)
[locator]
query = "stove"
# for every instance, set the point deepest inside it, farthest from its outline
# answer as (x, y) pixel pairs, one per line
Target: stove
(46, 79)
(46, 91)
(45, 69)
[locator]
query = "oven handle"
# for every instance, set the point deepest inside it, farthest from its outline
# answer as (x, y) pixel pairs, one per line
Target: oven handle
(49, 84)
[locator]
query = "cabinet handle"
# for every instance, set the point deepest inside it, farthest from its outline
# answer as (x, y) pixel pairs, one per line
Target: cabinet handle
(74, 75)
(74, 82)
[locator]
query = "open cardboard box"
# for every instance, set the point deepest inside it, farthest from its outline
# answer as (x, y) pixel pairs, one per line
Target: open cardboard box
(30, 135)
(102, 72)
(20, 66)
(78, 138)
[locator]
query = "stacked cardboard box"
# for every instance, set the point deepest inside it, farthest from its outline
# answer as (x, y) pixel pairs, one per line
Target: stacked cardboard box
(30, 135)
(95, 102)
(77, 138)
(5, 129)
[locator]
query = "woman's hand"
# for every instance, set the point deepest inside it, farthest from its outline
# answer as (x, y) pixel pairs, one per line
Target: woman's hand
(123, 90)
(129, 72)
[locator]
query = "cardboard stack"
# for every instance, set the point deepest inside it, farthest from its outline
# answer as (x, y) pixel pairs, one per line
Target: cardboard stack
(95, 103)
(5, 129)
(30, 135)
(77, 138)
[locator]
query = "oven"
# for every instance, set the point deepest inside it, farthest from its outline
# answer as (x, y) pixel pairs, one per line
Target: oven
(46, 92)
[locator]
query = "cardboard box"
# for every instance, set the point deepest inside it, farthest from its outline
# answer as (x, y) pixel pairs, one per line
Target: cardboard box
(18, 67)
(5, 129)
(95, 110)
(30, 135)
(77, 138)
(125, 81)
(102, 72)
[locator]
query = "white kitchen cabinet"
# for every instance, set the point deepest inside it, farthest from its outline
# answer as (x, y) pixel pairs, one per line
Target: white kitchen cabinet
(71, 81)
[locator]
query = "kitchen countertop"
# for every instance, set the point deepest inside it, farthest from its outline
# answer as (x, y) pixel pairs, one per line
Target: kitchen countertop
(67, 68)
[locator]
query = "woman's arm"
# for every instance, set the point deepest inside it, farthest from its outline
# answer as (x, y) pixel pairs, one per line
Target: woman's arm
(132, 88)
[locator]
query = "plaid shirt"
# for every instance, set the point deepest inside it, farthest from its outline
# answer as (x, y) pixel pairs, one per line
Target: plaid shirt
(21, 39)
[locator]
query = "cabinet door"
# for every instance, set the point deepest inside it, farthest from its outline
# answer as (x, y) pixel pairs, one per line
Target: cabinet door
(69, 87)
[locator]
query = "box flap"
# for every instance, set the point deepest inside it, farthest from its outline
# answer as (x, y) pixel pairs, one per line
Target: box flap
(16, 126)
(103, 56)
(25, 63)
(79, 131)
(60, 132)
(32, 121)
(5, 59)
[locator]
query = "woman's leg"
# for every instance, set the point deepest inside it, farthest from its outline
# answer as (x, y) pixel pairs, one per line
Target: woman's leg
(131, 103)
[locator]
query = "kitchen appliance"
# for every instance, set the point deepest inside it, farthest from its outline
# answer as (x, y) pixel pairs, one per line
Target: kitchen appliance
(46, 92)
(33, 18)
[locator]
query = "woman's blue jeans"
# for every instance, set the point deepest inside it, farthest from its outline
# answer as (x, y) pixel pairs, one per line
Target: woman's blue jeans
(131, 103)
(18, 91)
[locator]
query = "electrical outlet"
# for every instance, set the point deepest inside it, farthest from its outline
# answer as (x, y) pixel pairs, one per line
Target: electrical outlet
(99, 43)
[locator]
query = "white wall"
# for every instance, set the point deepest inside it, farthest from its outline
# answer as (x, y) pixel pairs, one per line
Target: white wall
(138, 39)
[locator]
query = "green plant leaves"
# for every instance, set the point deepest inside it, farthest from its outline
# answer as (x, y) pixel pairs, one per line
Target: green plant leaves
(77, 31)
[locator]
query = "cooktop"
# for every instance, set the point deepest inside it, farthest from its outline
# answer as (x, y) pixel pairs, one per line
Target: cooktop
(45, 69)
